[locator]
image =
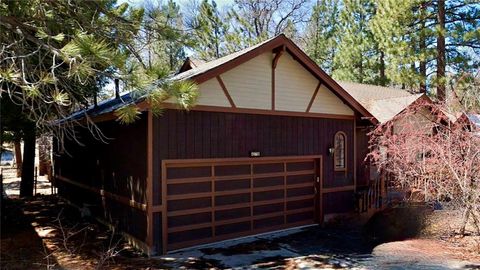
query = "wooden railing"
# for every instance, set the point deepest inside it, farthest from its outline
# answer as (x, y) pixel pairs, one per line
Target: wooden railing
(373, 197)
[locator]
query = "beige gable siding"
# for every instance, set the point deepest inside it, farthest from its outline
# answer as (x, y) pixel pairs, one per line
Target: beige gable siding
(294, 88)
(250, 87)
(211, 94)
(250, 84)
(294, 85)
(327, 102)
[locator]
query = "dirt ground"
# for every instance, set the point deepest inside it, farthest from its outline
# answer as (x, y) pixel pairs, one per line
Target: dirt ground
(442, 225)
(45, 233)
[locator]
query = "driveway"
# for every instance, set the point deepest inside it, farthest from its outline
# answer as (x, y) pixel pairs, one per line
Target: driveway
(315, 248)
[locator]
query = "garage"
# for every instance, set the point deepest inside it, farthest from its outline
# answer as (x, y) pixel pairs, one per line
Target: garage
(268, 130)
(209, 200)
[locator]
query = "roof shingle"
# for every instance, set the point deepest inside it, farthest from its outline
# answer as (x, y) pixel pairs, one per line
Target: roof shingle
(384, 103)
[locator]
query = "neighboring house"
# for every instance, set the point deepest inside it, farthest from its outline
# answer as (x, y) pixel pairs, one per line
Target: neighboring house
(470, 120)
(6, 157)
(271, 144)
(475, 120)
(383, 103)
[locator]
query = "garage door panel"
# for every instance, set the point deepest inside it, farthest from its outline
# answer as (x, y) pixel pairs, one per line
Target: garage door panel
(268, 181)
(232, 213)
(176, 205)
(302, 216)
(177, 189)
(268, 195)
(292, 205)
(212, 200)
(183, 220)
(188, 172)
(268, 222)
(189, 235)
(232, 228)
(302, 178)
(232, 199)
(226, 170)
(268, 208)
(268, 168)
(226, 185)
(300, 166)
(295, 192)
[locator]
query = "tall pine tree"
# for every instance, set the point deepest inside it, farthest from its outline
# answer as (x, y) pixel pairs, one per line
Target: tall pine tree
(359, 58)
(427, 42)
(210, 31)
(321, 35)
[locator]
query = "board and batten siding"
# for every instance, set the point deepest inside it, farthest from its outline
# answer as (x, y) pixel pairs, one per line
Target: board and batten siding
(211, 94)
(250, 87)
(250, 84)
(204, 135)
(295, 86)
(107, 175)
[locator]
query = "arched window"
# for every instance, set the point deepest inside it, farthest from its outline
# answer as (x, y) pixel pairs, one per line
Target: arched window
(340, 154)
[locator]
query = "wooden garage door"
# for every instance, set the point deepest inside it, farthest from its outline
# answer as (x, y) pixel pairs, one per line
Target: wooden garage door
(218, 199)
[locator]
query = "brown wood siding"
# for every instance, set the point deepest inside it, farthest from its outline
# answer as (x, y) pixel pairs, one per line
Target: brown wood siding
(117, 169)
(363, 170)
(338, 202)
(198, 134)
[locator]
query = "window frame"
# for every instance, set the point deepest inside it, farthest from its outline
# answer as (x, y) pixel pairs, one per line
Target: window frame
(344, 168)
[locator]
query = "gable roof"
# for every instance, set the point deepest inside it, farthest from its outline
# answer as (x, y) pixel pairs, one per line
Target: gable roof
(199, 72)
(384, 103)
(218, 66)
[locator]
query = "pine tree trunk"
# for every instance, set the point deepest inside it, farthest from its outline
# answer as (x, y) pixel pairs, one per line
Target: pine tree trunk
(441, 92)
(383, 78)
(422, 48)
(18, 156)
(28, 167)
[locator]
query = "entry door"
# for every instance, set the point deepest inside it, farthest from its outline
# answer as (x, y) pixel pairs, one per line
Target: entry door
(208, 200)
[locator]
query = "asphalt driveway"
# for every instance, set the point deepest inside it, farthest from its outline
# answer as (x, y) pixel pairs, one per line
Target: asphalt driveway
(313, 248)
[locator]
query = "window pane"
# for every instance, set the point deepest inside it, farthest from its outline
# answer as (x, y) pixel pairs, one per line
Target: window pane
(339, 151)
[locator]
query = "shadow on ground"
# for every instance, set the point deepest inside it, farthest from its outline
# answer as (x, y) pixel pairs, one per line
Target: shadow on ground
(21, 247)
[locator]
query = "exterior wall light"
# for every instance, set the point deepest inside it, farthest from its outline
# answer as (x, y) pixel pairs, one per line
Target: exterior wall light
(255, 154)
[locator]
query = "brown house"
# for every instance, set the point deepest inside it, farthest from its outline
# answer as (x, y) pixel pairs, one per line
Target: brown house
(270, 145)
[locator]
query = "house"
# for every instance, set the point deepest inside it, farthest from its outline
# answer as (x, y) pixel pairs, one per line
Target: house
(271, 144)
(384, 104)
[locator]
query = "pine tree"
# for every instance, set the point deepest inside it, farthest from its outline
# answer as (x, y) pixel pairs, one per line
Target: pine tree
(358, 58)
(164, 39)
(321, 36)
(55, 57)
(210, 31)
(423, 40)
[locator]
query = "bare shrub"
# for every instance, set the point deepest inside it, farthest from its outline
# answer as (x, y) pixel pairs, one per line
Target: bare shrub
(427, 148)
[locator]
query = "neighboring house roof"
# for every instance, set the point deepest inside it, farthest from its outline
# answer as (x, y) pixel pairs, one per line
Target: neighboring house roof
(384, 103)
(474, 119)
